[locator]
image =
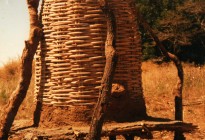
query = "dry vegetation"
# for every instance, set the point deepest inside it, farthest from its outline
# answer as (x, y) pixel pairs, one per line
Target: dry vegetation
(9, 74)
(158, 82)
(9, 77)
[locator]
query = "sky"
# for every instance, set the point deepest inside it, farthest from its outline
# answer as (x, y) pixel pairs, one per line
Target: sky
(14, 28)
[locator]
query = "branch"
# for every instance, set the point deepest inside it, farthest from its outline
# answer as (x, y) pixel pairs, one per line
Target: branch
(17, 97)
(106, 84)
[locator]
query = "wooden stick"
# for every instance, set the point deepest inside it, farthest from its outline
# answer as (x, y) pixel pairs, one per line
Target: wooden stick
(17, 97)
(137, 128)
(39, 102)
(134, 127)
(106, 84)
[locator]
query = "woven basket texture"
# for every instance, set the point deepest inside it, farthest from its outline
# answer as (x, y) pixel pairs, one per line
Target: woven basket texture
(70, 58)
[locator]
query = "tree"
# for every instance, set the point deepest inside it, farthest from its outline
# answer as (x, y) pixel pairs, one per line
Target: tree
(182, 31)
(171, 5)
(180, 26)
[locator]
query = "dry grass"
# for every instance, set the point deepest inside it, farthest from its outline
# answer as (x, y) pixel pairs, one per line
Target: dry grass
(161, 79)
(9, 77)
(158, 82)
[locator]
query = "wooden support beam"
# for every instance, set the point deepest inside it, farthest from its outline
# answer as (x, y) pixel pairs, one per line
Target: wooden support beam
(17, 97)
(39, 102)
(108, 75)
(135, 127)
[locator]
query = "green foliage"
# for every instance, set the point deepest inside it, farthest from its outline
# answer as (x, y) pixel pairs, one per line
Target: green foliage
(183, 33)
(149, 50)
(179, 24)
(151, 10)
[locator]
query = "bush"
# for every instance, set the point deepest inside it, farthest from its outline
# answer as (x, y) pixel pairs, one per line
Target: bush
(9, 75)
(9, 78)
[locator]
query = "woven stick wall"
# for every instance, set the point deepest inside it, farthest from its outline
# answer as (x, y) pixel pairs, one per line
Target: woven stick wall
(70, 60)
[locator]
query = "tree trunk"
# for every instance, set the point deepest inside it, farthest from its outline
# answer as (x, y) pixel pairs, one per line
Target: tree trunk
(19, 94)
(110, 66)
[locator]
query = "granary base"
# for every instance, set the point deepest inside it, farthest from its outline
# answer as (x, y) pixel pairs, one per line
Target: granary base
(121, 109)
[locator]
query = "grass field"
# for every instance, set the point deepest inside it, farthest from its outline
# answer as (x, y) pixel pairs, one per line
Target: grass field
(158, 82)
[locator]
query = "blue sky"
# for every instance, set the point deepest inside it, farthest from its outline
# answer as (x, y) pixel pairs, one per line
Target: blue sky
(14, 28)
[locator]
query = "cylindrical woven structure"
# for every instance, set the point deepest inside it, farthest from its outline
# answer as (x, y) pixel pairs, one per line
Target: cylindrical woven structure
(70, 60)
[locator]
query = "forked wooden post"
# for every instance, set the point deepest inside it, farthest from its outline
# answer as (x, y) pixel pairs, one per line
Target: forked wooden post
(108, 75)
(19, 94)
(37, 111)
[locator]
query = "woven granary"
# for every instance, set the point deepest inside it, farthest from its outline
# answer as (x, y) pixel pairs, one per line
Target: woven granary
(70, 59)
